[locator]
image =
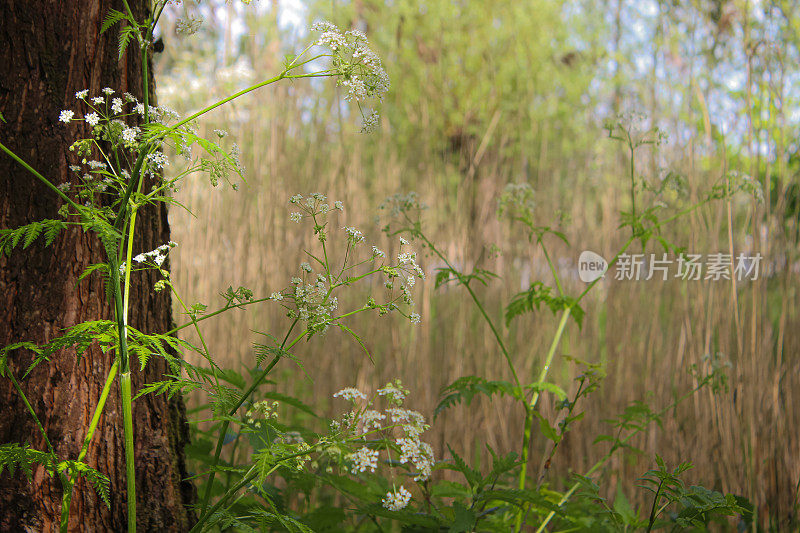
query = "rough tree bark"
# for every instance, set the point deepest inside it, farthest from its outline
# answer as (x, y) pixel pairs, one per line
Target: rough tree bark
(50, 50)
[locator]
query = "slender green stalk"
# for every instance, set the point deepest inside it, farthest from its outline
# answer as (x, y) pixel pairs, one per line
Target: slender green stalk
(603, 460)
(41, 178)
(66, 500)
(112, 373)
(481, 308)
(526, 437)
(127, 416)
(215, 313)
(65, 487)
(283, 75)
(226, 423)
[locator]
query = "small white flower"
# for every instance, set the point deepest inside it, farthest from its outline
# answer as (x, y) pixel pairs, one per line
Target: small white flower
(221, 133)
(406, 257)
(92, 119)
(80, 95)
(276, 296)
(139, 108)
(338, 205)
(97, 100)
(403, 241)
(370, 123)
(139, 258)
(377, 252)
(350, 393)
(158, 159)
(116, 105)
(65, 116)
(296, 217)
(371, 419)
(129, 135)
(363, 459)
(353, 235)
(305, 267)
(108, 90)
(395, 501)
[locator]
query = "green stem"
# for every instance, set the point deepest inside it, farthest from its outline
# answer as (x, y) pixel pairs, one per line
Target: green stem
(215, 313)
(526, 437)
(65, 484)
(482, 310)
(41, 178)
(599, 464)
(127, 415)
(66, 500)
(242, 399)
(633, 187)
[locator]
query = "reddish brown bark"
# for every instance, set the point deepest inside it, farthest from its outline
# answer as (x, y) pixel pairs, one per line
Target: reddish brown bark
(50, 50)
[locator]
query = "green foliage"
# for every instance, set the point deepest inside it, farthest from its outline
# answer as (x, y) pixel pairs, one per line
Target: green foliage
(529, 301)
(14, 456)
(49, 229)
(267, 465)
(467, 387)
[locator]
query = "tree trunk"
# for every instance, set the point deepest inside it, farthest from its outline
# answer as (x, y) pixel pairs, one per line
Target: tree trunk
(52, 49)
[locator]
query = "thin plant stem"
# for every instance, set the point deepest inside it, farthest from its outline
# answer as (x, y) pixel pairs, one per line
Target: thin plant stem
(232, 411)
(526, 437)
(67, 499)
(603, 460)
(65, 483)
(41, 178)
(481, 308)
(130, 469)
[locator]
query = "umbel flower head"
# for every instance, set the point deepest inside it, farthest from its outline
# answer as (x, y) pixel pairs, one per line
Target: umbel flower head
(356, 67)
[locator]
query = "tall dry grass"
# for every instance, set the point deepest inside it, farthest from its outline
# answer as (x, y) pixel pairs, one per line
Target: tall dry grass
(296, 139)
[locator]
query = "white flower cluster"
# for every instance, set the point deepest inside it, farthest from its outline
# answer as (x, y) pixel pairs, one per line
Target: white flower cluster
(157, 160)
(412, 422)
(419, 454)
(396, 500)
(362, 460)
(354, 236)
(394, 392)
(100, 114)
(356, 66)
(311, 299)
(370, 123)
(408, 423)
(156, 256)
(312, 205)
(371, 419)
(403, 276)
(350, 394)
